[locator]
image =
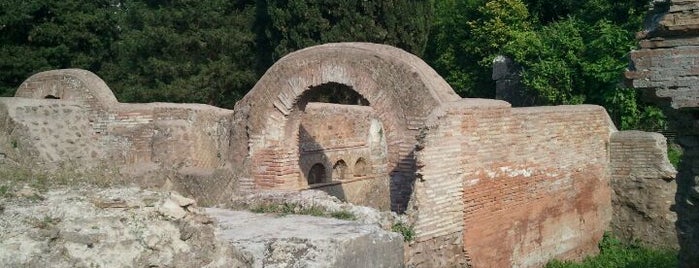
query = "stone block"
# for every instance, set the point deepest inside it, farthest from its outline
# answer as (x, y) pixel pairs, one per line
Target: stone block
(305, 241)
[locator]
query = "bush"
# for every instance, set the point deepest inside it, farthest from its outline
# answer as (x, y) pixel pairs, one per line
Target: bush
(674, 153)
(407, 231)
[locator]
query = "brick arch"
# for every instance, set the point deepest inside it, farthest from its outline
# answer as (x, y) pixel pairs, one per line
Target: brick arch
(69, 84)
(401, 88)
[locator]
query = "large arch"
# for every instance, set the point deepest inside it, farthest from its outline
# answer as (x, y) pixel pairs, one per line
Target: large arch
(401, 88)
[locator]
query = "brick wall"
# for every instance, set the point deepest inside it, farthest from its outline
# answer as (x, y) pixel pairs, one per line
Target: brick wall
(533, 183)
(399, 86)
(169, 135)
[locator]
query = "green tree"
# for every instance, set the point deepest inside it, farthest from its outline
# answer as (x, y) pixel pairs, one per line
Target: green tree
(184, 51)
(448, 43)
(39, 35)
(284, 26)
(570, 52)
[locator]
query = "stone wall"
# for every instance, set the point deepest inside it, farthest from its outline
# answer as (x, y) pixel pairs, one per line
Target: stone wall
(666, 69)
(517, 208)
(644, 189)
(82, 125)
(47, 133)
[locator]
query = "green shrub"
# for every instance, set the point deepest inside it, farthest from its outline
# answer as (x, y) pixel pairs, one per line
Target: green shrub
(674, 153)
(614, 253)
(407, 231)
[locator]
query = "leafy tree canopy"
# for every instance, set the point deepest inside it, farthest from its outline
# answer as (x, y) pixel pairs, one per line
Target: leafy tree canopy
(41, 35)
(285, 26)
(570, 52)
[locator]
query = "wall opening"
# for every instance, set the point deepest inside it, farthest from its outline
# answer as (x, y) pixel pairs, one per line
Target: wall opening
(316, 174)
(336, 127)
(335, 93)
(51, 97)
(340, 170)
(360, 168)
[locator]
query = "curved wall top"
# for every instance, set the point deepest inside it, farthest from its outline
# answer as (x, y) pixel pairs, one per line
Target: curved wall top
(69, 84)
(401, 88)
(375, 71)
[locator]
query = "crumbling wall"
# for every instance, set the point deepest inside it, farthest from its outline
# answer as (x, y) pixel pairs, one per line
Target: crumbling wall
(82, 125)
(47, 134)
(666, 68)
(348, 141)
(532, 183)
(644, 189)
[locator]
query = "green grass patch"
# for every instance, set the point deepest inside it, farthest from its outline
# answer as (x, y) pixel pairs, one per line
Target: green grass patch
(343, 215)
(4, 190)
(291, 208)
(616, 254)
(14, 178)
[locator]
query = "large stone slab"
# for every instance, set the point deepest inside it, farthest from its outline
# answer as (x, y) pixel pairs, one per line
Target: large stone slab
(306, 241)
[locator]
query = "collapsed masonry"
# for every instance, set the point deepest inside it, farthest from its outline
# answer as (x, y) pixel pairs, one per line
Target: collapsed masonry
(666, 69)
(482, 183)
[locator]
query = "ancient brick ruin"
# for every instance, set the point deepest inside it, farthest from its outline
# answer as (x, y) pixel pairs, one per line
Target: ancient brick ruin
(482, 183)
(643, 181)
(666, 69)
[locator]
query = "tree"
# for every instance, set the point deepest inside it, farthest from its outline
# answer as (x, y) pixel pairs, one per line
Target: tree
(467, 35)
(284, 26)
(39, 35)
(570, 52)
(184, 51)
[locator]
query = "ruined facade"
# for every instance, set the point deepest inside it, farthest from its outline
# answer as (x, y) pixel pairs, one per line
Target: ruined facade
(481, 183)
(666, 69)
(643, 181)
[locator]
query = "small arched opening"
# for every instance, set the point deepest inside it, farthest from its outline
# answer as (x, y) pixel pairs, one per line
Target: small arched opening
(360, 168)
(317, 174)
(52, 97)
(339, 170)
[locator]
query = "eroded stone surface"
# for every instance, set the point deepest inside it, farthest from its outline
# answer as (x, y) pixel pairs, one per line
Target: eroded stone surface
(665, 68)
(118, 227)
(644, 187)
(305, 241)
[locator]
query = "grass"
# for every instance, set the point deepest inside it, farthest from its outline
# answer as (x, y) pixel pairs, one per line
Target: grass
(616, 254)
(14, 178)
(290, 208)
